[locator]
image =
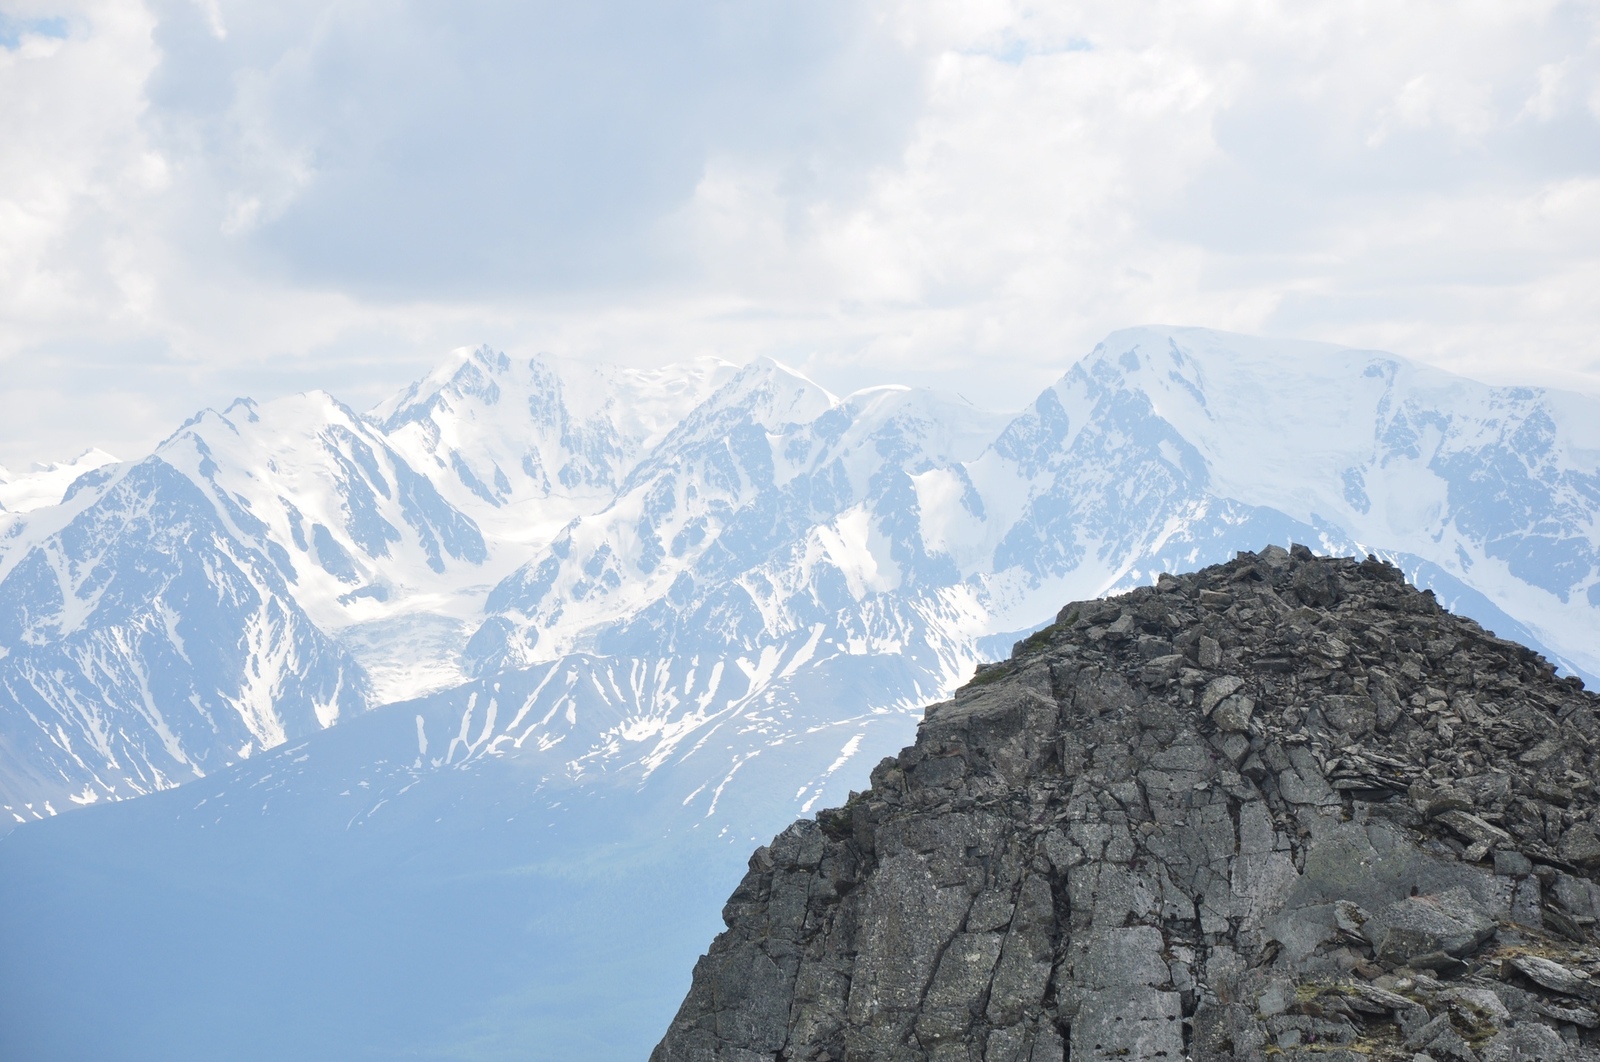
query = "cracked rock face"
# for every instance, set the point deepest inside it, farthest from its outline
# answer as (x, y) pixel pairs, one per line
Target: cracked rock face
(1281, 807)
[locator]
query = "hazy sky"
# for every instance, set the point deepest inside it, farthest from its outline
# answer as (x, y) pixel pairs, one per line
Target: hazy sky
(203, 198)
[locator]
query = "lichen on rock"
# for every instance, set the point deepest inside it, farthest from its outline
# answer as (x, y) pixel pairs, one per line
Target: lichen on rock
(1282, 807)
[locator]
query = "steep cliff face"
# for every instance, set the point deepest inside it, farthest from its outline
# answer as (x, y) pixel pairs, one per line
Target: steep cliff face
(1285, 806)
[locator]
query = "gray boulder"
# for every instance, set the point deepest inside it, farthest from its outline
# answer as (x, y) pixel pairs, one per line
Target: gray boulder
(1452, 922)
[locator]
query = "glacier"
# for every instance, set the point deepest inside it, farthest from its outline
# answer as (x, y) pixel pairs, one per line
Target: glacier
(450, 722)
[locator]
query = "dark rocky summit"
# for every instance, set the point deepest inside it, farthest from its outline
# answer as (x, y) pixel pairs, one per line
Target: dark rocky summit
(1282, 807)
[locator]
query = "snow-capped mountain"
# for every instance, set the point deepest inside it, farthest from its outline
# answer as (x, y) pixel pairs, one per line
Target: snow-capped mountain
(361, 538)
(1170, 446)
(602, 608)
(365, 580)
(45, 484)
(522, 447)
(880, 539)
(772, 506)
(528, 445)
(503, 513)
(143, 644)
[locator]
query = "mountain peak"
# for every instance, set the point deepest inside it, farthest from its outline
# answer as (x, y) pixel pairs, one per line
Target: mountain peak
(774, 394)
(463, 368)
(1171, 826)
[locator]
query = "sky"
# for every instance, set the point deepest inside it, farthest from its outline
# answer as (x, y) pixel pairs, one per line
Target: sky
(206, 198)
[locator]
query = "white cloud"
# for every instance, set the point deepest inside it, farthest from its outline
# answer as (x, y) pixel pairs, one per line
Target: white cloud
(207, 197)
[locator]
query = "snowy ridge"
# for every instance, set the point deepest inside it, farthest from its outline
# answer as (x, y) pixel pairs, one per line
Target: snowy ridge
(145, 646)
(359, 535)
(504, 516)
(743, 523)
(1167, 436)
(336, 533)
(525, 446)
(46, 484)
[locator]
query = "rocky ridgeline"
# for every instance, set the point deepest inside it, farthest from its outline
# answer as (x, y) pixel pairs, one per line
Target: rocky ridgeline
(1282, 807)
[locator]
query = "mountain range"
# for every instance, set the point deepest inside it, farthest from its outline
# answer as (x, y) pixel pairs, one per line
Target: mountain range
(525, 656)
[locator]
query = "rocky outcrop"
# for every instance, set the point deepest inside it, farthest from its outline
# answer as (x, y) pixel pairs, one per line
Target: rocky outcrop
(1282, 807)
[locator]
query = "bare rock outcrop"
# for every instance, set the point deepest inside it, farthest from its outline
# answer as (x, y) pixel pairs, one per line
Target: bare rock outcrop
(1282, 807)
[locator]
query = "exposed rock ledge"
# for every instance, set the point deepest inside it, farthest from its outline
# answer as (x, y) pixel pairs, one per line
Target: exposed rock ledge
(1282, 807)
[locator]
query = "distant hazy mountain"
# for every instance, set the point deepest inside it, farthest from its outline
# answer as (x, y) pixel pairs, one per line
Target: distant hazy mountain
(45, 484)
(614, 625)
